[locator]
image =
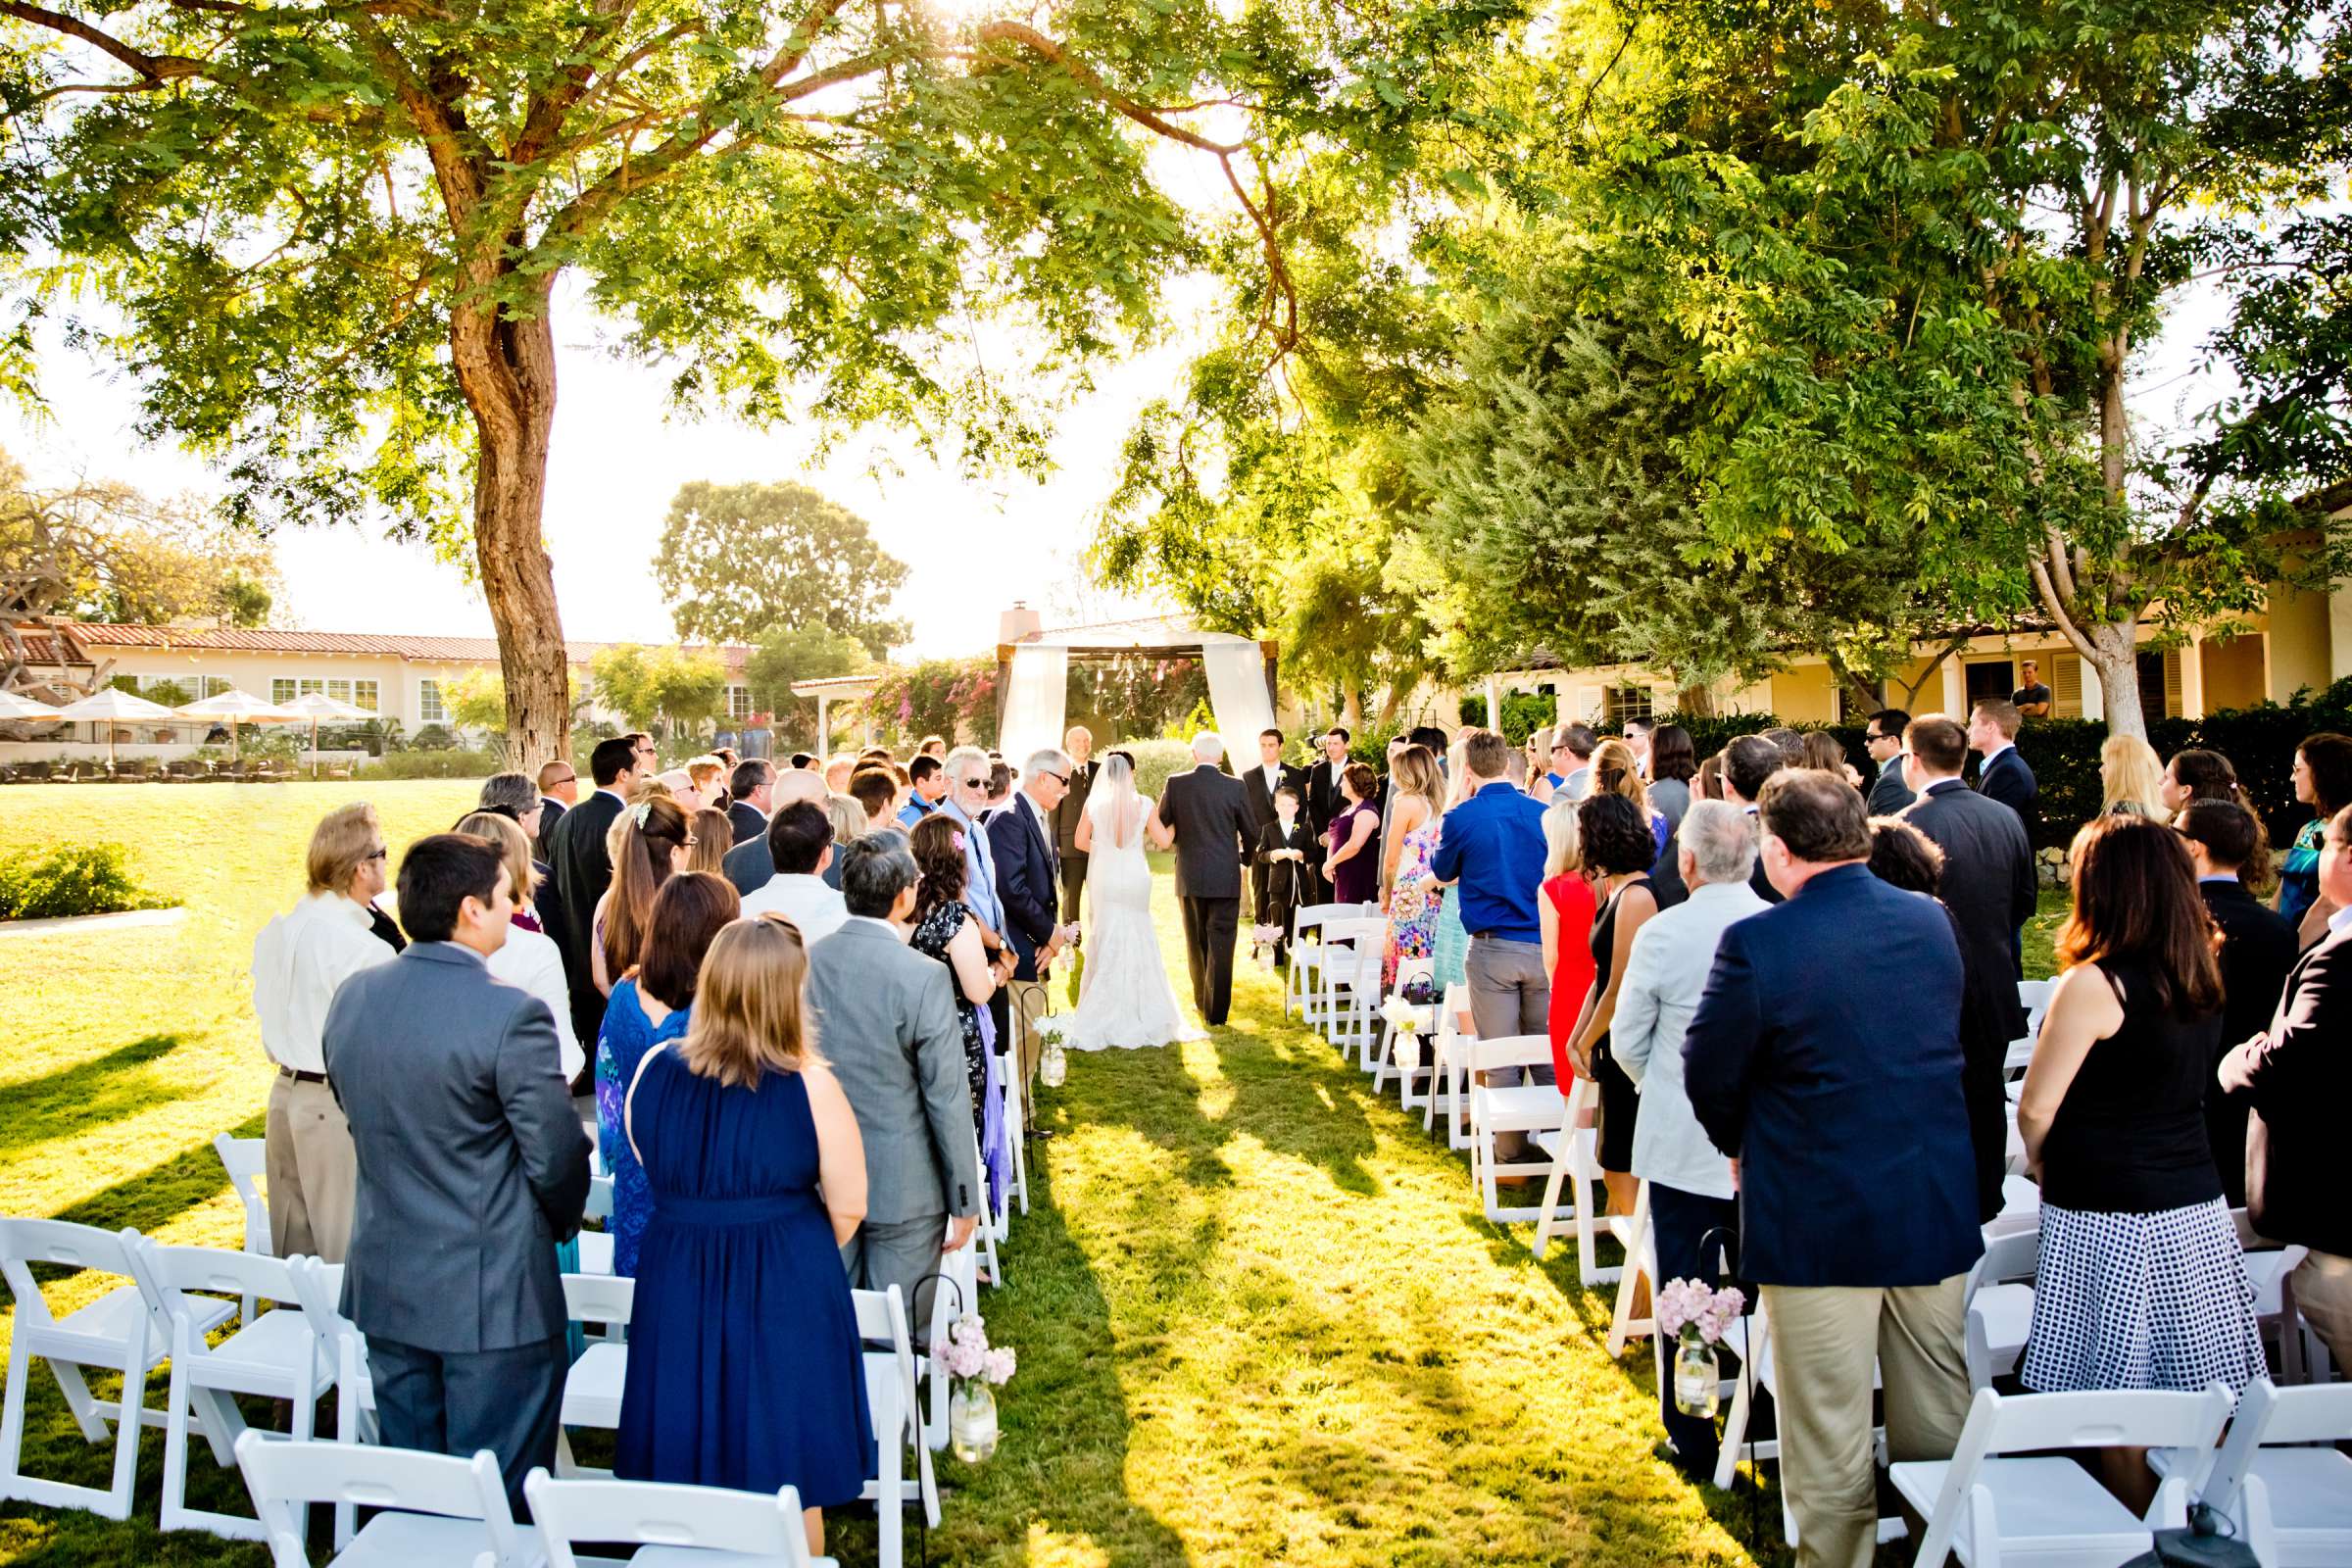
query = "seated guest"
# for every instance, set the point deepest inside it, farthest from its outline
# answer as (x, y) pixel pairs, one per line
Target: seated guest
(1618, 847)
(2298, 1077)
(300, 959)
(2258, 948)
(1352, 845)
(1690, 1190)
(751, 792)
(887, 1015)
(944, 932)
(529, 959)
(649, 1008)
(1858, 1215)
(2201, 775)
(1565, 917)
(2140, 1282)
(472, 1169)
(877, 795)
(1284, 856)
(744, 1369)
(800, 844)
(649, 846)
(709, 836)
(748, 864)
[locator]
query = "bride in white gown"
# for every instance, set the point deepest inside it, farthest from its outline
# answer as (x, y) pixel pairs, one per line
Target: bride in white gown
(1124, 998)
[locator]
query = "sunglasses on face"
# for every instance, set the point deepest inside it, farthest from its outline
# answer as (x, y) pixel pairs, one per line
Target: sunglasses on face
(974, 783)
(379, 854)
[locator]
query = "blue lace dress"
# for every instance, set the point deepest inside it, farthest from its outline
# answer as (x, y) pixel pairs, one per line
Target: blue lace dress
(620, 1044)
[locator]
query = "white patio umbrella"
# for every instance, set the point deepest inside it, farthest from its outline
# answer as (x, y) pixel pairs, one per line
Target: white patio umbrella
(316, 706)
(15, 710)
(113, 707)
(238, 708)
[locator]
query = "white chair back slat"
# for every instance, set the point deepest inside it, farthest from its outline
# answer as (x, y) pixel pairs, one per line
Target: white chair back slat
(247, 1161)
(882, 1320)
(605, 1298)
(600, 1198)
(647, 1513)
(284, 1477)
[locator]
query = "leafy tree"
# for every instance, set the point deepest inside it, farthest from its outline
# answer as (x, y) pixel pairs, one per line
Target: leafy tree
(476, 700)
(332, 237)
(810, 651)
(736, 559)
(688, 686)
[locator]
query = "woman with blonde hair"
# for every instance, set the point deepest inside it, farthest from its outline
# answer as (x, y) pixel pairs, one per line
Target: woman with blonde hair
(650, 841)
(1614, 773)
(713, 836)
(848, 817)
(2132, 779)
(1413, 895)
(529, 959)
(756, 1172)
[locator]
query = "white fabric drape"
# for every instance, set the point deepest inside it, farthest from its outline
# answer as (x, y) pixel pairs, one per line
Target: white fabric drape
(1034, 706)
(1238, 697)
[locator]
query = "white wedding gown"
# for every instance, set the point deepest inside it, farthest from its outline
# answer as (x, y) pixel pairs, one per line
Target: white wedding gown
(1125, 1000)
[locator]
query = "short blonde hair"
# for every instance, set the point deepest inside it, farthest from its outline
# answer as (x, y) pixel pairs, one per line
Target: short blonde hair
(345, 839)
(1563, 844)
(751, 1004)
(513, 850)
(848, 816)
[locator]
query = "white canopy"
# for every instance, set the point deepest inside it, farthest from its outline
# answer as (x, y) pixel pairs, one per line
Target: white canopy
(15, 709)
(116, 705)
(317, 705)
(242, 707)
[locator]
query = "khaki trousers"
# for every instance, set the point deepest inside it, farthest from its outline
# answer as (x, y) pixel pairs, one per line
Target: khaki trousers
(2323, 1284)
(1025, 1003)
(1825, 1340)
(311, 1172)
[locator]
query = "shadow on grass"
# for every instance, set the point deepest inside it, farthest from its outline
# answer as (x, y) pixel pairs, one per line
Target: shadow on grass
(107, 1087)
(161, 1193)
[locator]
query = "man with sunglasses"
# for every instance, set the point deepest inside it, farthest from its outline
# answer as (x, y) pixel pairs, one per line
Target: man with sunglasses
(558, 792)
(967, 800)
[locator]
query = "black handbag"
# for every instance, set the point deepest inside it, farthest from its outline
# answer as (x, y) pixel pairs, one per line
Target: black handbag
(2209, 1541)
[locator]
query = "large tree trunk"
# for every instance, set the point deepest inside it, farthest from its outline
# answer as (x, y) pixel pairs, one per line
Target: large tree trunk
(2113, 653)
(1695, 701)
(507, 368)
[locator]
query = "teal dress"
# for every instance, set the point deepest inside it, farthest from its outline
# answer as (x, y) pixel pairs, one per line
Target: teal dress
(1450, 953)
(2299, 875)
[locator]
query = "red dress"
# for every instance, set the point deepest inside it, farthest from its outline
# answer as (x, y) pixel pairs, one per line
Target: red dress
(1572, 974)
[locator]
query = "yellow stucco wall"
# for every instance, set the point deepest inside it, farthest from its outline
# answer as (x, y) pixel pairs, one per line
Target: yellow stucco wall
(2299, 642)
(1804, 693)
(2232, 672)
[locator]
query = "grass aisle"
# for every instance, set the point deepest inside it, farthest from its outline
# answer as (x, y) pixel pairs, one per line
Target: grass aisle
(1258, 1314)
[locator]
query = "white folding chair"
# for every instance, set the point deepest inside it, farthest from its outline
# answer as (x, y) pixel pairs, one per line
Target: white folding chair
(1448, 1068)
(886, 1406)
(2267, 1265)
(596, 1246)
(1347, 980)
(247, 1159)
(1387, 1058)
(1017, 1111)
(679, 1526)
(961, 1268)
(2035, 996)
(1633, 1232)
(592, 1388)
(275, 1355)
(318, 1287)
(1509, 1108)
(117, 1333)
(1301, 986)
(2000, 1304)
(1982, 1507)
(440, 1512)
(2280, 1477)
(992, 1227)
(1576, 1163)
(882, 1320)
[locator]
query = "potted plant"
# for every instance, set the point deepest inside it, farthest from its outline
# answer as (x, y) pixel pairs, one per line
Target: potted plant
(976, 1367)
(1696, 1316)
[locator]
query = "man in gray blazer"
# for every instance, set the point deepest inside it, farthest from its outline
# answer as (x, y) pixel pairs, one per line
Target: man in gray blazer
(886, 1024)
(471, 1167)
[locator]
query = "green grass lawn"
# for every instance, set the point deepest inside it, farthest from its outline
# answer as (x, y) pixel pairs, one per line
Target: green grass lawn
(1258, 1313)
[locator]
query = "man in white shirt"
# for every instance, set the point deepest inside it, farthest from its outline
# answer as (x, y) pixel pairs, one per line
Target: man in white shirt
(800, 840)
(299, 961)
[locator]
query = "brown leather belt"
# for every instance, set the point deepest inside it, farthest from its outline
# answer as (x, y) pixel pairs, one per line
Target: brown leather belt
(302, 1077)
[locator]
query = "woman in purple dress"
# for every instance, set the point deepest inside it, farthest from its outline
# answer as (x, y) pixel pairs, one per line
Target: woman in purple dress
(1352, 862)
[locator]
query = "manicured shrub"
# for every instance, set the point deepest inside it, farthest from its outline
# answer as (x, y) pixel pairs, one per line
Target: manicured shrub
(71, 879)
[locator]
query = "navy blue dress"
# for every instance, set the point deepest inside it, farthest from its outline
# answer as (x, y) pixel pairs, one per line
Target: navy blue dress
(744, 1369)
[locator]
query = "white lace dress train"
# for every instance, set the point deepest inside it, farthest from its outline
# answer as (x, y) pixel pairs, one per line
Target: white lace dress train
(1125, 999)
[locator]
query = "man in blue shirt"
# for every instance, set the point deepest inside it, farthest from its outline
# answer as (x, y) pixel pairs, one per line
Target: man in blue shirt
(1491, 853)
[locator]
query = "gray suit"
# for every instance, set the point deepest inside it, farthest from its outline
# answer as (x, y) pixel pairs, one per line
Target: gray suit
(886, 1023)
(471, 1167)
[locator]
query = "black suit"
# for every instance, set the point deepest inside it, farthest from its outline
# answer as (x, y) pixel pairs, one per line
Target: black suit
(2298, 1077)
(551, 811)
(2009, 780)
(747, 822)
(1889, 793)
(583, 872)
(1212, 832)
(1066, 817)
(1259, 797)
(1323, 803)
(2258, 948)
(1026, 883)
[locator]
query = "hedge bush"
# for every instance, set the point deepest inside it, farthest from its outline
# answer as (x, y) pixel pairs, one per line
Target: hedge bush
(435, 764)
(71, 879)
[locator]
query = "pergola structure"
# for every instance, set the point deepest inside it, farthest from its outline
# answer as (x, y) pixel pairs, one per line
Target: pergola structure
(1108, 642)
(830, 690)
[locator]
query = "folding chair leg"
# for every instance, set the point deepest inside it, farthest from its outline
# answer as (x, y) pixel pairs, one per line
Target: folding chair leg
(88, 1413)
(1552, 1192)
(1640, 1263)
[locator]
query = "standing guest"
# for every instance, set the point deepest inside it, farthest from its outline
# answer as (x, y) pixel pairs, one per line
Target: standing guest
(802, 763)
(837, 770)
(529, 959)
(2003, 775)
(1616, 771)
(515, 796)
(2323, 779)
(1638, 741)
(1566, 920)
(654, 839)
(2132, 779)
(558, 788)
(1707, 783)
(678, 785)
(472, 1169)
(751, 790)
(2140, 1282)
(1080, 744)
(2297, 1078)
(1493, 852)
(748, 864)
(965, 802)
(583, 868)
(1882, 738)
(758, 1175)
(1325, 796)
(887, 1015)
(1749, 764)
(848, 817)
(1536, 760)
(2032, 699)
(1572, 761)
(1665, 972)
(1021, 839)
(1351, 859)
(1988, 863)
(1259, 786)
(1821, 750)
(1413, 895)
(648, 1009)
(1618, 851)
(932, 746)
(709, 836)
(1857, 1217)
(1672, 761)
(1790, 742)
(999, 786)
(300, 960)
(877, 796)
(2258, 948)
(1201, 814)
(707, 777)
(930, 780)
(799, 845)
(944, 932)
(1384, 802)
(1452, 953)
(1279, 860)
(2201, 775)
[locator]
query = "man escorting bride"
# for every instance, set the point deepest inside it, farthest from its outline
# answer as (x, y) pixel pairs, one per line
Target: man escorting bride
(1124, 998)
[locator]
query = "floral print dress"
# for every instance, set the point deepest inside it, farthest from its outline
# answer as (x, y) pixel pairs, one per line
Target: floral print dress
(1413, 903)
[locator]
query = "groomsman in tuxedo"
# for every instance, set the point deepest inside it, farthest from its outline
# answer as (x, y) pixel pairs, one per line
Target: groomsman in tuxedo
(1258, 794)
(1323, 797)
(583, 869)
(1080, 744)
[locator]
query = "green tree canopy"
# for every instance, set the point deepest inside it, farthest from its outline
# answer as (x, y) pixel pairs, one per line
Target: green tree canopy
(687, 686)
(808, 652)
(738, 559)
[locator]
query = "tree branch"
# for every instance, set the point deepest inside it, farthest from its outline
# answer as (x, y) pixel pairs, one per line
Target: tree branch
(155, 69)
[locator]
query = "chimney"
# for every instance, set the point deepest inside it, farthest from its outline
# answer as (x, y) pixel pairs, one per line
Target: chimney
(1018, 625)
